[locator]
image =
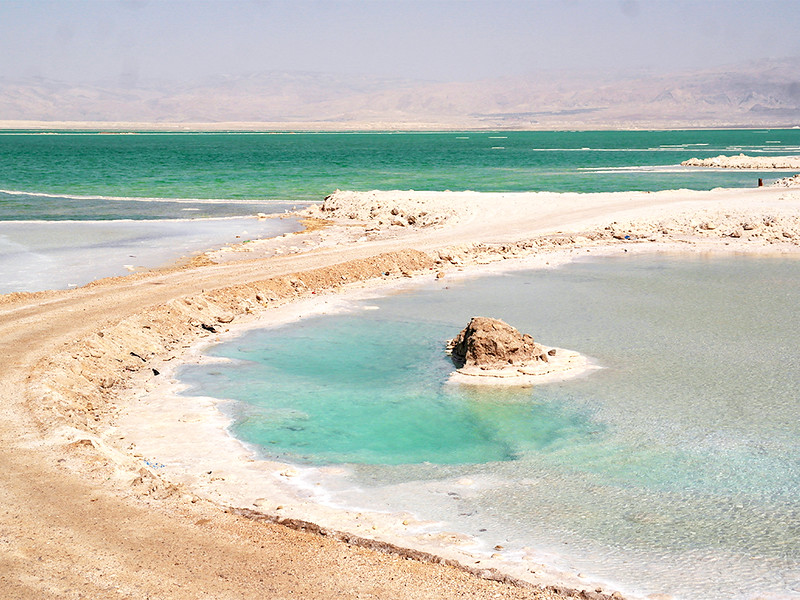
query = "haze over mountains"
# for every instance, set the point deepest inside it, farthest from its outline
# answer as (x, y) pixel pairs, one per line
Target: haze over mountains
(763, 93)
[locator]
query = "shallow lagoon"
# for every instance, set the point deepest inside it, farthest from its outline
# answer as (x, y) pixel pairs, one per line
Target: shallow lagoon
(44, 255)
(676, 468)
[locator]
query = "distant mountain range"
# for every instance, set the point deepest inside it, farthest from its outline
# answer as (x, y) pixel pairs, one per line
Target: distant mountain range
(760, 94)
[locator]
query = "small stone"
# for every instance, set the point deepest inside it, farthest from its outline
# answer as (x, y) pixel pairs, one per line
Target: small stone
(440, 274)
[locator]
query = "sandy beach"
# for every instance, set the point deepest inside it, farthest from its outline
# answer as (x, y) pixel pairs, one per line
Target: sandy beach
(85, 373)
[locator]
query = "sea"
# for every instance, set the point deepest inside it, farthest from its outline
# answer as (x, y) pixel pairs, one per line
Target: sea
(79, 205)
(674, 469)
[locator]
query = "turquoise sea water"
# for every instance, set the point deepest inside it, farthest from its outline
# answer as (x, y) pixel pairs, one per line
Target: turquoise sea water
(240, 171)
(675, 469)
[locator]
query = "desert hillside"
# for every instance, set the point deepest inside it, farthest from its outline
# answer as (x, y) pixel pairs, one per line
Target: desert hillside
(763, 93)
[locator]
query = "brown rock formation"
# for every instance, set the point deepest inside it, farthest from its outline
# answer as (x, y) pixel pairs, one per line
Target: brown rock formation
(492, 343)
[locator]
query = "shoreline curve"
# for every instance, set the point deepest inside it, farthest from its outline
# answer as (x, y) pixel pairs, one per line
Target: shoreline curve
(72, 357)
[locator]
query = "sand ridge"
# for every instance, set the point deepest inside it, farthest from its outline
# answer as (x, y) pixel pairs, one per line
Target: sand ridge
(87, 516)
(742, 161)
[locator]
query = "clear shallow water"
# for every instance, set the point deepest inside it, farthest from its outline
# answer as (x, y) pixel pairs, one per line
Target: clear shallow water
(40, 255)
(674, 469)
(35, 206)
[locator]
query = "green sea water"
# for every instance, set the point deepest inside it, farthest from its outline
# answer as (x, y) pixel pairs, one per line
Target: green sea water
(674, 469)
(160, 175)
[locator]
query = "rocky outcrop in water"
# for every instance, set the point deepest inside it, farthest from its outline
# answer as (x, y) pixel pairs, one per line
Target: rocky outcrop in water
(490, 351)
(492, 343)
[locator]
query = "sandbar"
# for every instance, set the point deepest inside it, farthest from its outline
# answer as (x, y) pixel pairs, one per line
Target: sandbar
(743, 161)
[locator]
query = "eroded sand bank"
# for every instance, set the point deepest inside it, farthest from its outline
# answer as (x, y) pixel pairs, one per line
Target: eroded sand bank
(93, 515)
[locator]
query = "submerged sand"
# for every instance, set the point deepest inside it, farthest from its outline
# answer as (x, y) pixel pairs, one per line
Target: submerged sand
(89, 514)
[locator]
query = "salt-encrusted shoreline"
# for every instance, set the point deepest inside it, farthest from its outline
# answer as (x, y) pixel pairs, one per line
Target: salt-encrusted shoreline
(284, 492)
(742, 161)
(288, 493)
(565, 364)
(70, 379)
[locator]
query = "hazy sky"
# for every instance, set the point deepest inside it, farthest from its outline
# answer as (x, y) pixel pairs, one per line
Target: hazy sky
(133, 40)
